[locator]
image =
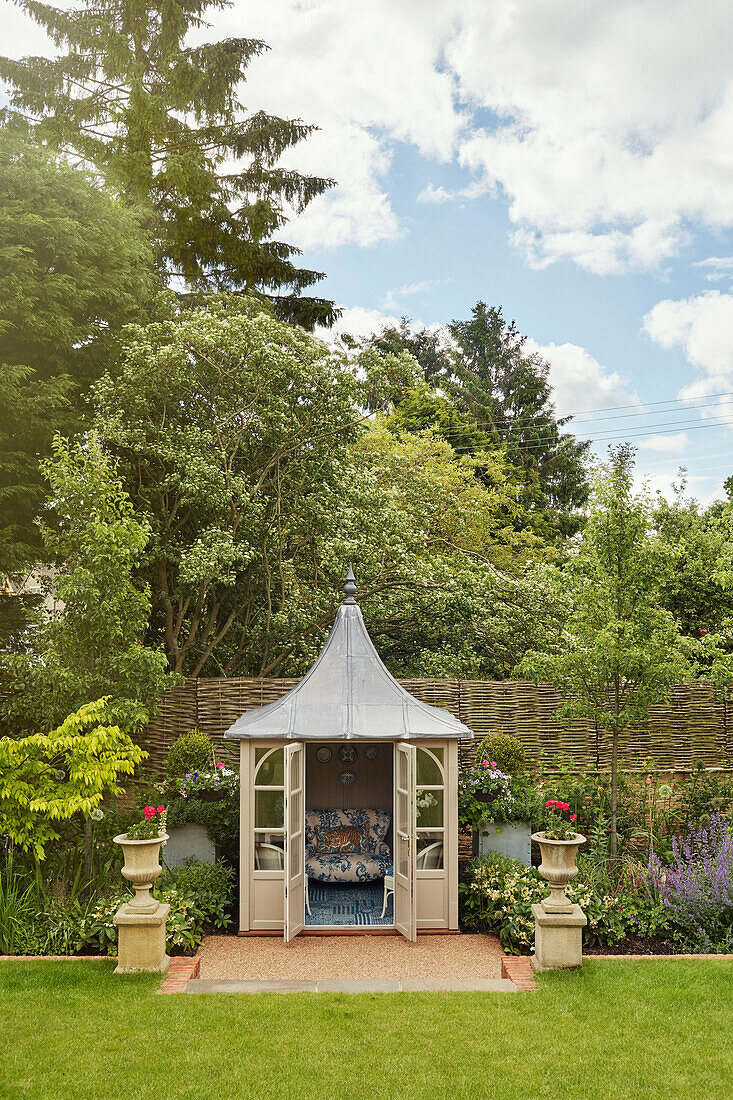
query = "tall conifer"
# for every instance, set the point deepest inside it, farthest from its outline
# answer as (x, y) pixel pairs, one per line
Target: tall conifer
(161, 119)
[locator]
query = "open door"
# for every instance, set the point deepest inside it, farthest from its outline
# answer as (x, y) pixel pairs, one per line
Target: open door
(404, 841)
(294, 840)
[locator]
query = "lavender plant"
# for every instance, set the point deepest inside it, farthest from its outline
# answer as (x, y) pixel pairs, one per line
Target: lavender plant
(696, 888)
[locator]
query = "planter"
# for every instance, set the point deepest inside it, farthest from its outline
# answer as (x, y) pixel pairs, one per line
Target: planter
(558, 868)
(486, 796)
(189, 841)
(213, 795)
(507, 838)
(141, 869)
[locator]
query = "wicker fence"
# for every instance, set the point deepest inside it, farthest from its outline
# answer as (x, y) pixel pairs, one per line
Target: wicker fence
(693, 728)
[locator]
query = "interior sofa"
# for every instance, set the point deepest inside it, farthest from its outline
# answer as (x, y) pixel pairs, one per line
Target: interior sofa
(347, 845)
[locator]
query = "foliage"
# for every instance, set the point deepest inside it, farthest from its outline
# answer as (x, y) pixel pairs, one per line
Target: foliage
(622, 652)
(507, 751)
(697, 887)
(183, 929)
(151, 826)
(703, 796)
(162, 119)
(94, 647)
(209, 885)
(75, 268)
(500, 893)
(16, 908)
(188, 753)
(220, 819)
(48, 777)
(483, 777)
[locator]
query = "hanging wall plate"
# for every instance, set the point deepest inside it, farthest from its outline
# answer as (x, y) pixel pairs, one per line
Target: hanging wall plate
(347, 754)
(372, 752)
(347, 778)
(324, 754)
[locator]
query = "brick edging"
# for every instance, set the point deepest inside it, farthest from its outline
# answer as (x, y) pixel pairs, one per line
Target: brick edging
(179, 973)
(518, 969)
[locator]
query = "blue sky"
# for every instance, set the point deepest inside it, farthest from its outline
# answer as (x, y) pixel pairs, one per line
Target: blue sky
(569, 160)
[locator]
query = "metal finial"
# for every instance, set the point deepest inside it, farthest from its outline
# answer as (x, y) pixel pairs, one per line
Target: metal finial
(350, 586)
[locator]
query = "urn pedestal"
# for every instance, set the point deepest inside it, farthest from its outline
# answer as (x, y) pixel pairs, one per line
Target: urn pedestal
(141, 921)
(558, 923)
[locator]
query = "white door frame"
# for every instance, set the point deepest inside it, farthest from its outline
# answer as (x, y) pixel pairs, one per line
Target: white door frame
(294, 872)
(404, 855)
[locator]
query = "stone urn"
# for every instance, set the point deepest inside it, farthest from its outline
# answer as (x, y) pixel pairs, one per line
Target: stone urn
(558, 868)
(141, 869)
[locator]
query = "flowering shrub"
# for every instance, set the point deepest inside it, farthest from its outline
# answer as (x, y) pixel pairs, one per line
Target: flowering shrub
(558, 827)
(183, 930)
(483, 778)
(151, 826)
(208, 885)
(501, 895)
(696, 888)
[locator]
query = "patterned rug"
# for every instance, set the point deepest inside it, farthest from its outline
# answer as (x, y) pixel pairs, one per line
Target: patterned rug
(348, 903)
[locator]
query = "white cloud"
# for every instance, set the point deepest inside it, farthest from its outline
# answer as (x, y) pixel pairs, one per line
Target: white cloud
(702, 327)
(357, 321)
(580, 383)
(393, 298)
(435, 195)
(674, 444)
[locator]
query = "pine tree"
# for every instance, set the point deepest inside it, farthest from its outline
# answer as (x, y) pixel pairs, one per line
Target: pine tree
(161, 120)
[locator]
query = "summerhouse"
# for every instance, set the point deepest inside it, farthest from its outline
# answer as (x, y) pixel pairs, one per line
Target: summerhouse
(349, 799)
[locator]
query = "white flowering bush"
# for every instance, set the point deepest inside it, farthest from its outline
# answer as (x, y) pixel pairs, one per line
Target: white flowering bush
(500, 895)
(183, 930)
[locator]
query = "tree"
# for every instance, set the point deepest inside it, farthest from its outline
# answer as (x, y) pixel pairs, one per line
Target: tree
(623, 652)
(95, 646)
(161, 120)
(48, 777)
(509, 394)
(74, 268)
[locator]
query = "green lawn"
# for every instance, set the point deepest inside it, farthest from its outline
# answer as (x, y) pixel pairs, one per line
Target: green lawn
(646, 1029)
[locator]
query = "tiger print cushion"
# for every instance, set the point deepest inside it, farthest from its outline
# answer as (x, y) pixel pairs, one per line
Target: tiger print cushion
(344, 832)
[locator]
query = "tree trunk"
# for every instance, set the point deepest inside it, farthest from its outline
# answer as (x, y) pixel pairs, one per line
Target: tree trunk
(88, 852)
(614, 793)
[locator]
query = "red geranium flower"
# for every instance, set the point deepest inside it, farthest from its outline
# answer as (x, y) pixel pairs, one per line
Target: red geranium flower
(149, 812)
(161, 809)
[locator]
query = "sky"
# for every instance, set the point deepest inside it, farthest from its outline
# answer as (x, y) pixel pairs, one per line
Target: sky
(568, 160)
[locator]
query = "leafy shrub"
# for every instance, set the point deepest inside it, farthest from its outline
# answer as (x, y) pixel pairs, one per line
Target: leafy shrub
(183, 930)
(208, 885)
(220, 819)
(188, 753)
(507, 752)
(697, 887)
(501, 893)
(58, 928)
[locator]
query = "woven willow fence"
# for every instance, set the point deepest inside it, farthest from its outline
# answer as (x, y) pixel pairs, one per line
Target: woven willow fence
(695, 727)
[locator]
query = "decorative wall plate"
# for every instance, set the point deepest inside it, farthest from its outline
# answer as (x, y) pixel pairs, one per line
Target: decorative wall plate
(347, 754)
(372, 752)
(347, 778)
(324, 754)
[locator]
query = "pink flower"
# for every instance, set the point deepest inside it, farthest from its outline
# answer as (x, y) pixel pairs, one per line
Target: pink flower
(161, 809)
(550, 803)
(149, 812)
(573, 817)
(493, 764)
(220, 765)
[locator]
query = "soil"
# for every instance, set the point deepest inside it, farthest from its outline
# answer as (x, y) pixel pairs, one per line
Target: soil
(636, 945)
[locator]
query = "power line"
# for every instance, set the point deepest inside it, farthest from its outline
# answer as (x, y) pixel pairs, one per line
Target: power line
(612, 435)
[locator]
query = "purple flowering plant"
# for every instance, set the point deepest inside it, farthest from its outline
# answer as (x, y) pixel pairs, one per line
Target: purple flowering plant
(484, 794)
(214, 778)
(696, 886)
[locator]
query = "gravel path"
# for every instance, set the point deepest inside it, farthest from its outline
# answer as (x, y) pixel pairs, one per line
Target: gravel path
(351, 957)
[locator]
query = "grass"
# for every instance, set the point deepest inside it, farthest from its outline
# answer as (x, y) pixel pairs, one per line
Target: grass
(616, 1029)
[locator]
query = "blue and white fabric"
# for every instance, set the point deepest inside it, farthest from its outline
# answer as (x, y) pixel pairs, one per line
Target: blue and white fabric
(353, 866)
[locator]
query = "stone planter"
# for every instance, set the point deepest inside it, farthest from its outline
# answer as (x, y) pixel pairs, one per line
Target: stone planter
(141, 869)
(507, 838)
(189, 841)
(558, 868)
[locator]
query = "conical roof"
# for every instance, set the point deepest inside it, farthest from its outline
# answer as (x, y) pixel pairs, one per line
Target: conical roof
(348, 694)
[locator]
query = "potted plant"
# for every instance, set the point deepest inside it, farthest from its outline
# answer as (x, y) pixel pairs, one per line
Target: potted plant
(209, 784)
(559, 845)
(141, 846)
(481, 785)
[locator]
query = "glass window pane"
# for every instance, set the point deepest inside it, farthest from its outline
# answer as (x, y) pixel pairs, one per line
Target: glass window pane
(402, 770)
(429, 771)
(269, 809)
(429, 851)
(295, 770)
(295, 811)
(269, 852)
(269, 772)
(403, 817)
(295, 857)
(403, 865)
(429, 809)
